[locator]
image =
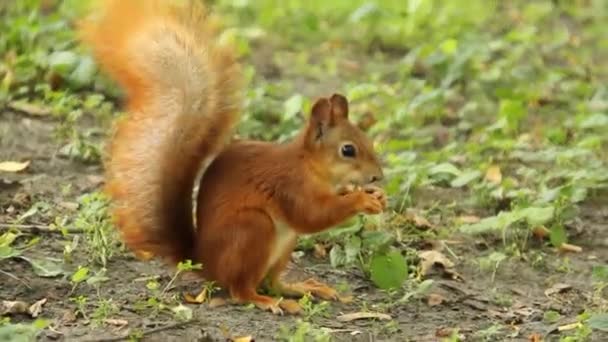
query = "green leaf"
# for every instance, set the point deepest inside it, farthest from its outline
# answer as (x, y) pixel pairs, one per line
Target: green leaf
(98, 277)
(447, 168)
(600, 273)
(352, 249)
(536, 216)
(596, 120)
(293, 106)
(465, 178)
(7, 239)
(551, 316)
(152, 285)
(513, 111)
(45, 268)
(348, 228)
(362, 90)
(80, 275)
(388, 270)
(485, 225)
(84, 73)
(599, 322)
(186, 265)
(449, 46)
(557, 235)
(7, 252)
(182, 312)
(18, 332)
(63, 62)
(337, 256)
(363, 11)
(41, 323)
(375, 240)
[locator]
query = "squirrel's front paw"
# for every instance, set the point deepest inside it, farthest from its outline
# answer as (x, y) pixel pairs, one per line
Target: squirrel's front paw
(369, 203)
(378, 193)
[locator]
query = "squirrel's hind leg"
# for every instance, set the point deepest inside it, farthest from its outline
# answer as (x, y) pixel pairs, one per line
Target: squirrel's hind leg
(241, 260)
(246, 295)
(299, 289)
(276, 306)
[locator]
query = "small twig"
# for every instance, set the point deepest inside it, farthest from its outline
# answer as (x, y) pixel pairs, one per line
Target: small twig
(10, 275)
(146, 332)
(447, 248)
(38, 227)
(148, 278)
(170, 283)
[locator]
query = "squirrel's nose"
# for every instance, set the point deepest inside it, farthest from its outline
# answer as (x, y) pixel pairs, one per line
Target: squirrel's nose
(376, 178)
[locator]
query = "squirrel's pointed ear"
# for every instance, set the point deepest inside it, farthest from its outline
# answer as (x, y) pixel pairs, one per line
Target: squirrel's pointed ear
(320, 118)
(339, 106)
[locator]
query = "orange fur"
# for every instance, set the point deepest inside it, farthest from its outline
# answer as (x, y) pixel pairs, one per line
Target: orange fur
(255, 198)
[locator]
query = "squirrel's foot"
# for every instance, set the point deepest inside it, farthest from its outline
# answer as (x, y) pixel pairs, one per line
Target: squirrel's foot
(276, 306)
(312, 286)
(319, 289)
(290, 306)
(268, 304)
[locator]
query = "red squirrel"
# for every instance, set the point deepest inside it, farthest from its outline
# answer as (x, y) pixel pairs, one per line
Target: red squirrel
(184, 98)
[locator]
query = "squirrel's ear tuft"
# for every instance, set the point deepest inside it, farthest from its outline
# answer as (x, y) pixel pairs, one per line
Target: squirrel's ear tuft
(320, 118)
(339, 106)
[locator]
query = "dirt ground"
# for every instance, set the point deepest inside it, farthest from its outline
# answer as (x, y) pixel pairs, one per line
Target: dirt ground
(514, 301)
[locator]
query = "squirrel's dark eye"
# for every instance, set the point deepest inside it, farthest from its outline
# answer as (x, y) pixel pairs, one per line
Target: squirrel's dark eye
(348, 151)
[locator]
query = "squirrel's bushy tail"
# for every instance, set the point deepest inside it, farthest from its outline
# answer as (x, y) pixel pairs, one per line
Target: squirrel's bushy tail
(183, 91)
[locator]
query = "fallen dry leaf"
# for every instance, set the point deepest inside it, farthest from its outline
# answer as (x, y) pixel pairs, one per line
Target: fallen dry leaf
(362, 315)
(435, 299)
(444, 332)
(242, 339)
(566, 247)
(29, 108)
(351, 65)
(217, 302)
(346, 299)
(13, 307)
(557, 288)
(541, 232)
(200, 298)
(524, 312)
(493, 174)
(95, 179)
(319, 251)
(116, 322)
(35, 309)
(20, 307)
(12, 166)
(536, 337)
(469, 219)
(432, 258)
(570, 326)
(68, 317)
(69, 205)
(419, 221)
